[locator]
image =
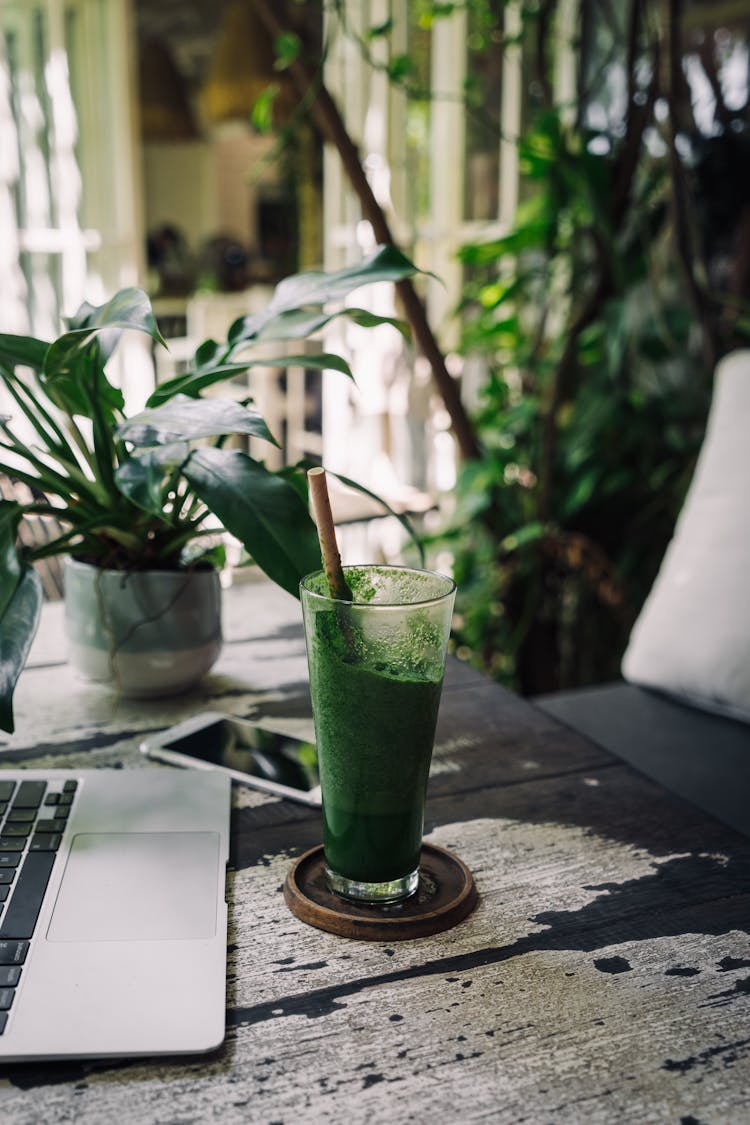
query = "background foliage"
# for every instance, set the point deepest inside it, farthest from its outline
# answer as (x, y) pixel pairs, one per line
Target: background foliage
(600, 317)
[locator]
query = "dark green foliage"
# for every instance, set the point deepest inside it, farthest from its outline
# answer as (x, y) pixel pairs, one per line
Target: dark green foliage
(590, 421)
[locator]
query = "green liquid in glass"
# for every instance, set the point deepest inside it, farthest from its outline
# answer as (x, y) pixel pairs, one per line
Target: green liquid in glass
(375, 728)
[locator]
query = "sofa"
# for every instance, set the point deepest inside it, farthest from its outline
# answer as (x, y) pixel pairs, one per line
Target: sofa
(681, 713)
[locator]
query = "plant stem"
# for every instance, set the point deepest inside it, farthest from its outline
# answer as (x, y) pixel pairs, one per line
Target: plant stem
(48, 480)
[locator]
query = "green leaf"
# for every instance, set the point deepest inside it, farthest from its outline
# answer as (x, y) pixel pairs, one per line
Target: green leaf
(10, 565)
(187, 419)
(193, 382)
(209, 355)
(367, 319)
(581, 492)
(400, 67)
(22, 351)
(287, 47)
(195, 552)
(298, 323)
(386, 263)
(130, 308)
(18, 626)
(142, 476)
(323, 361)
(378, 30)
(260, 509)
(315, 289)
(522, 536)
(261, 114)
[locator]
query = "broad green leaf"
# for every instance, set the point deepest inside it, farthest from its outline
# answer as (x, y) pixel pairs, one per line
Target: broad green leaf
(296, 324)
(193, 382)
(367, 319)
(130, 308)
(10, 565)
(386, 263)
(187, 419)
(209, 355)
(322, 361)
(142, 476)
(296, 476)
(22, 350)
(260, 509)
(314, 289)
(18, 626)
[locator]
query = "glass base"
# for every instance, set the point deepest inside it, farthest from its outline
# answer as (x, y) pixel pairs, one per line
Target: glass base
(392, 890)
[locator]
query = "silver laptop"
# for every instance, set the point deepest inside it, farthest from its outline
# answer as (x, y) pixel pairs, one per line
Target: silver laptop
(114, 924)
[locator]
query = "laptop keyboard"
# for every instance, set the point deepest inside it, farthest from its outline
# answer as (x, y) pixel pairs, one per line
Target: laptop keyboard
(33, 816)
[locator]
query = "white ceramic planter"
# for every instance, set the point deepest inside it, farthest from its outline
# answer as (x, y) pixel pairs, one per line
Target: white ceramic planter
(146, 633)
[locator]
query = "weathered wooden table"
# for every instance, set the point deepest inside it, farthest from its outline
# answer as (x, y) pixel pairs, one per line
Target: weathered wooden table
(604, 976)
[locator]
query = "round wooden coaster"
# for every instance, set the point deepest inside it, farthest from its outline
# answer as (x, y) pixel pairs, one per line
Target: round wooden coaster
(445, 895)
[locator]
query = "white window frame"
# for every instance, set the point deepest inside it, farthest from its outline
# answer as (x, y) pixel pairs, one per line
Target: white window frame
(98, 239)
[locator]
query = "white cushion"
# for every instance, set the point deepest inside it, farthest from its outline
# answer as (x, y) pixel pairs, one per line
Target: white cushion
(692, 637)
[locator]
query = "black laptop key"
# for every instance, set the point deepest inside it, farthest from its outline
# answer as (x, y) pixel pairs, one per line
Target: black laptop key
(7, 875)
(44, 842)
(16, 829)
(6, 790)
(7, 996)
(21, 816)
(29, 795)
(49, 826)
(12, 844)
(52, 798)
(70, 786)
(13, 952)
(3, 1021)
(9, 975)
(20, 917)
(9, 859)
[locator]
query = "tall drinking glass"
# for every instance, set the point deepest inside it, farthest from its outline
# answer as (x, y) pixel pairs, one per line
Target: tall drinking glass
(376, 670)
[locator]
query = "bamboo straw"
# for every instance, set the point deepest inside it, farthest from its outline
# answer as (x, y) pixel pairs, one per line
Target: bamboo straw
(321, 506)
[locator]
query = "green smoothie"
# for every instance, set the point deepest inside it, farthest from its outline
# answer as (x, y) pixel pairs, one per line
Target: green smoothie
(376, 670)
(375, 730)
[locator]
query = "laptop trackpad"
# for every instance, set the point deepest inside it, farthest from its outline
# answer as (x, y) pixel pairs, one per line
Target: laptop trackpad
(138, 886)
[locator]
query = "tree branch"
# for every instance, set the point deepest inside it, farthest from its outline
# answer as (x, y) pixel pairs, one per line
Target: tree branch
(684, 237)
(327, 117)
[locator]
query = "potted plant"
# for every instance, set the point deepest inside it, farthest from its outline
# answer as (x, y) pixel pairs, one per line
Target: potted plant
(138, 500)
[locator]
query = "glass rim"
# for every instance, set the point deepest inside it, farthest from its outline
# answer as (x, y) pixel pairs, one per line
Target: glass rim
(451, 587)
